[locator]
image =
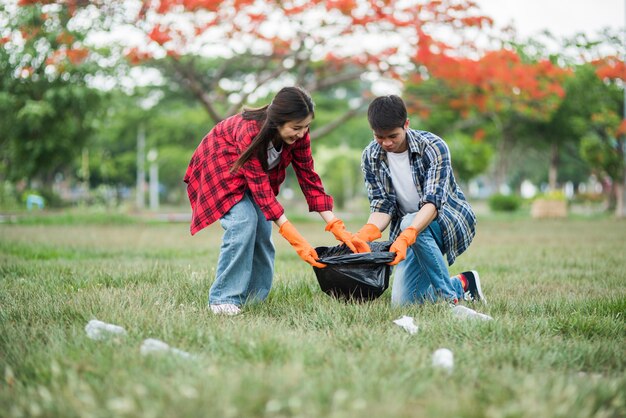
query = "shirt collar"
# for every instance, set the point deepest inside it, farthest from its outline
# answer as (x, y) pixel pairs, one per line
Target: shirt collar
(416, 145)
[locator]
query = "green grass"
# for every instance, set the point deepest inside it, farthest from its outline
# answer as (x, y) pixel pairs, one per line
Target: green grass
(74, 216)
(557, 346)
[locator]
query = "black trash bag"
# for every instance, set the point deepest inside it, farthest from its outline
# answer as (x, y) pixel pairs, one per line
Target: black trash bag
(354, 277)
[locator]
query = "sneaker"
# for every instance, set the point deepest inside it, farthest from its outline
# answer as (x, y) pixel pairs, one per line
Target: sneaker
(474, 292)
(225, 309)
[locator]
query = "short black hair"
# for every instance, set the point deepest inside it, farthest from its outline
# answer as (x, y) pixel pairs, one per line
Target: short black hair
(386, 113)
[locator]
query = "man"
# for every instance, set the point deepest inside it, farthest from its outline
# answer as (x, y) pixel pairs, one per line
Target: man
(410, 185)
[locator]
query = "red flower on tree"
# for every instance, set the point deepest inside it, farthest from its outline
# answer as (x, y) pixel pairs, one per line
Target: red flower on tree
(159, 35)
(135, 56)
(77, 55)
(611, 68)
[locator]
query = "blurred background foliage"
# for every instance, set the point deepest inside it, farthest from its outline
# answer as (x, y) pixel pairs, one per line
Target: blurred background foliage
(76, 90)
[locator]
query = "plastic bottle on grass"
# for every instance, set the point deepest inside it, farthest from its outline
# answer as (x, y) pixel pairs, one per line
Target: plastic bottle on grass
(154, 346)
(467, 313)
(98, 330)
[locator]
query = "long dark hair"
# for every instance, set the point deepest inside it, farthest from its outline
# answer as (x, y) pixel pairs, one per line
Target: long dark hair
(289, 104)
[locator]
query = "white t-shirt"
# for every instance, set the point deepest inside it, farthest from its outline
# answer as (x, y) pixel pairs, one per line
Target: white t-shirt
(273, 156)
(402, 180)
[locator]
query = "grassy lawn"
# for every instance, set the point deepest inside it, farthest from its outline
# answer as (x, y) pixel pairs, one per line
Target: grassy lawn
(557, 346)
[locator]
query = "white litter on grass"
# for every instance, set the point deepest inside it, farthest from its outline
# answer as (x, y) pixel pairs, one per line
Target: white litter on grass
(98, 330)
(467, 313)
(407, 323)
(443, 359)
(154, 346)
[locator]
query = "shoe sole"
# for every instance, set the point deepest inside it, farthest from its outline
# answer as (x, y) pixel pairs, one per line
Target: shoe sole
(226, 312)
(479, 289)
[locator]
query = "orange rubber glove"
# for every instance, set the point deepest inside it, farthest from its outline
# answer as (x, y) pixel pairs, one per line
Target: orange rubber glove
(400, 245)
(356, 244)
(369, 232)
(302, 247)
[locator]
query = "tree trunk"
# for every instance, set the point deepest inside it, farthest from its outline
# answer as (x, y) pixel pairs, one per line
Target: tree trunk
(502, 161)
(619, 199)
(554, 166)
(620, 208)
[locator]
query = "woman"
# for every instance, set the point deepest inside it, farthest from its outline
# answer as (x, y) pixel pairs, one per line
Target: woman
(234, 176)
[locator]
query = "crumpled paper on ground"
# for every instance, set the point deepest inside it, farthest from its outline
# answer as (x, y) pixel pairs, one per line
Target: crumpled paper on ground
(407, 323)
(154, 346)
(467, 313)
(98, 330)
(443, 359)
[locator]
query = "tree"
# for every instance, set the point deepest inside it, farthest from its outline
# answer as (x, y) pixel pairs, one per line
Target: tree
(471, 155)
(604, 141)
(173, 126)
(490, 95)
(610, 125)
(589, 91)
(562, 131)
(514, 93)
(228, 53)
(46, 104)
(590, 116)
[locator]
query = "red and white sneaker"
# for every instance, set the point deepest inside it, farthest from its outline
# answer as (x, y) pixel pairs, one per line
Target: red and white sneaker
(474, 292)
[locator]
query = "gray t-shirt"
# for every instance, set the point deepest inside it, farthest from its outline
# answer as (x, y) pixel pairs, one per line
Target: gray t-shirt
(273, 156)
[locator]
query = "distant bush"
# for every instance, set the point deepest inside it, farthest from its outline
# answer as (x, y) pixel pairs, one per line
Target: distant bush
(8, 197)
(552, 195)
(504, 203)
(589, 198)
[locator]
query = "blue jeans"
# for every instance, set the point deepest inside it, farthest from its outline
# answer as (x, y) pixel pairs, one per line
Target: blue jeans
(423, 274)
(245, 266)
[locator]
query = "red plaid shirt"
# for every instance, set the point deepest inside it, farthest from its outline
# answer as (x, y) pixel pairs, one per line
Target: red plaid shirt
(213, 189)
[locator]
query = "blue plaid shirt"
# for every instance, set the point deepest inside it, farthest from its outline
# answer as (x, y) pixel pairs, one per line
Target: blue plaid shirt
(432, 175)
